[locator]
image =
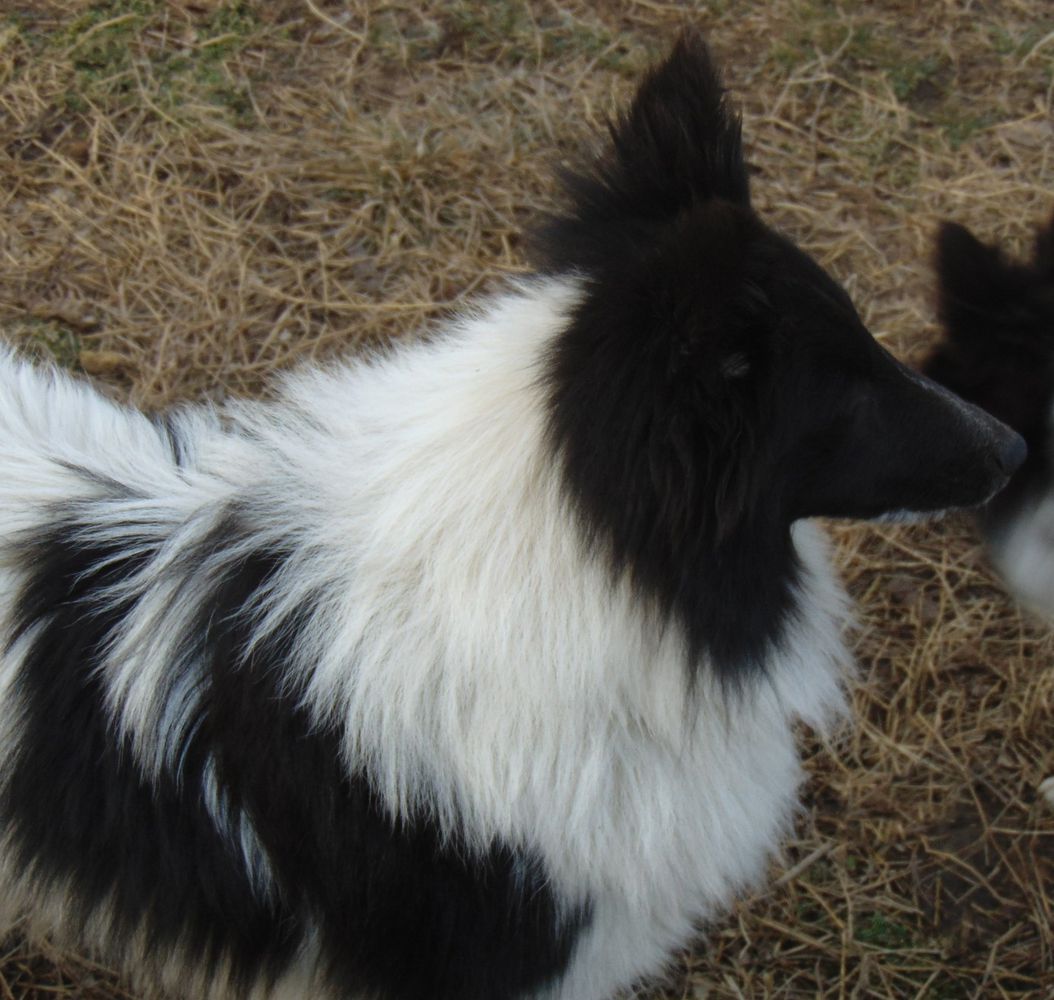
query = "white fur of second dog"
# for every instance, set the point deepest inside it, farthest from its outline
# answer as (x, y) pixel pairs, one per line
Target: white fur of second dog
(477, 660)
(1023, 552)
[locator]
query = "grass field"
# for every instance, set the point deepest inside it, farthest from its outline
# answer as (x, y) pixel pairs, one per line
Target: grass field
(195, 193)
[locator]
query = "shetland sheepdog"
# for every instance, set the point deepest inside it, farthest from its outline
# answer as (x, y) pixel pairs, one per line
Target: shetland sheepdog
(468, 671)
(998, 352)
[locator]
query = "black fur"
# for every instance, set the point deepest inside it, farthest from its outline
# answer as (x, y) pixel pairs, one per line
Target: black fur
(678, 144)
(715, 384)
(80, 811)
(625, 414)
(712, 386)
(998, 351)
(402, 913)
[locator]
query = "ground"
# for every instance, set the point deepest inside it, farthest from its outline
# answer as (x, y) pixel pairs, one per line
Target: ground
(194, 194)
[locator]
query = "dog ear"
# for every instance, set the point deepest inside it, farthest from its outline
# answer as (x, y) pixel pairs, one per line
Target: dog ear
(680, 142)
(677, 146)
(972, 280)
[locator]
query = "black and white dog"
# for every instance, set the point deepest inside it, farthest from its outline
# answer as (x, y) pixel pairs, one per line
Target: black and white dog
(468, 672)
(998, 352)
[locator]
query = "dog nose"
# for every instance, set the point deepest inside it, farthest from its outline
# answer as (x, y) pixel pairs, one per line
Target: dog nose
(1011, 453)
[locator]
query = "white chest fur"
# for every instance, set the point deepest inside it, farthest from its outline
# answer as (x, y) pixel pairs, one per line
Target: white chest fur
(502, 680)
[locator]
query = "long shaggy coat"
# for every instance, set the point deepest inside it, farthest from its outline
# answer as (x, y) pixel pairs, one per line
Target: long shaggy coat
(469, 671)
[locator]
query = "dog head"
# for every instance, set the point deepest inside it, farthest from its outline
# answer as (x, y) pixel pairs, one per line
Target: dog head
(721, 353)
(714, 384)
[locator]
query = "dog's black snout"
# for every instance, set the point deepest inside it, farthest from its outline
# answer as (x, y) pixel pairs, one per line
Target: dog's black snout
(1011, 452)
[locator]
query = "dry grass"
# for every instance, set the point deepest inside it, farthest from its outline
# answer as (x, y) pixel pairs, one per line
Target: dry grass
(194, 194)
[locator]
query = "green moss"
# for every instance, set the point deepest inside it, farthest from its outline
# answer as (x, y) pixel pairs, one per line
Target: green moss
(113, 55)
(1008, 43)
(100, 47)
(235, 99)
(881, 932)
(46, 340)
(917, 80)
(961, 127)
(226, 31)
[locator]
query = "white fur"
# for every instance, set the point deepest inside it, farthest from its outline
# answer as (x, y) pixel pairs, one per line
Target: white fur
(479, 660)
(1023, 552)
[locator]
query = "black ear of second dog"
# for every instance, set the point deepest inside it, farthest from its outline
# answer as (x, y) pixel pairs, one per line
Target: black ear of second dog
(997, 313)
(987, 298)
(973, 282)
(678, 145)
(998, 346)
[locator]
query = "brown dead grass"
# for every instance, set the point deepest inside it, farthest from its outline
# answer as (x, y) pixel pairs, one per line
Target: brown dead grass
(193, 194)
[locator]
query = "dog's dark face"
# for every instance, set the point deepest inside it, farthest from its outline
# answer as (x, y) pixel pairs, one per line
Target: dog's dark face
(714, 384)
(858, 434)
(999, 321)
